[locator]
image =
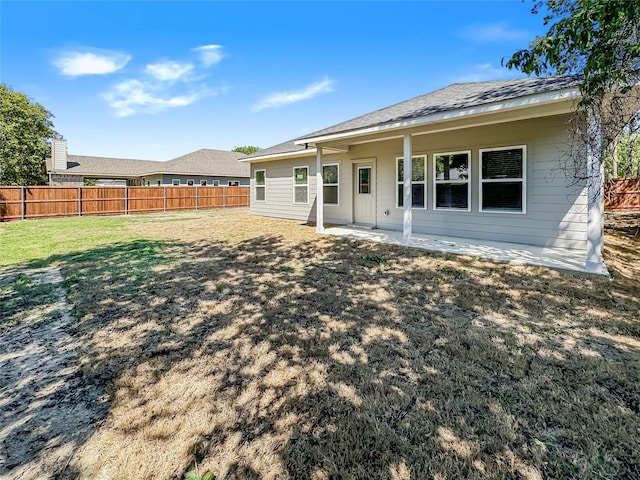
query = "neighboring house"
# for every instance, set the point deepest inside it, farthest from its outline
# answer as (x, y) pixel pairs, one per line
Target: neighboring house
(472, 160)
(203, 167)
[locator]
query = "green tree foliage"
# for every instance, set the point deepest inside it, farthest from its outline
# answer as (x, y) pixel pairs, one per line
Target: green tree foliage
(599, 42)
(247, 150)
(25, 131)
(599, 39)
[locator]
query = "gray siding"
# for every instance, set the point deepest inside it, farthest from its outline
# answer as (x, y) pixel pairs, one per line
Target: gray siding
(556, 213)
(167, 179)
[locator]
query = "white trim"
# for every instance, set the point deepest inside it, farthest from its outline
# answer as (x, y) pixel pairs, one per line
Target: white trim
(256, 186)
(505, 180)
(510, 104)
(437, 182)
(192, 182)
(319, 193)
(230, 182)
(294, 185)
(174, 184)
(203, 184)
(298, 153)
(595, 195)
(407, 200)
(401, 182)
(215, 183)
(337, 185)
(364, 167)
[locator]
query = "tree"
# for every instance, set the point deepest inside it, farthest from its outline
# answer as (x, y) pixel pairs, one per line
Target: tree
(25, 132)
(599, 42)
(247, 150)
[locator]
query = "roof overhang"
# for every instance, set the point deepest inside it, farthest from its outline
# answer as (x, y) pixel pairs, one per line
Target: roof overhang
(560, 98)
(296, 154)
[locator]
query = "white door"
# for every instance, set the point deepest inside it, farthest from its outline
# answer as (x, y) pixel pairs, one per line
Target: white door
(364, 194)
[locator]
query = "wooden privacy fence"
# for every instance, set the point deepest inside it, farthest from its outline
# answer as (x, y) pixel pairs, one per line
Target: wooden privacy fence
(39, 202)
(622, 195)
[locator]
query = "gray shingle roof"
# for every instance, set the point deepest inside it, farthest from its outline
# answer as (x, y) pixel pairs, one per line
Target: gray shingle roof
(201, 162)
(453, 97)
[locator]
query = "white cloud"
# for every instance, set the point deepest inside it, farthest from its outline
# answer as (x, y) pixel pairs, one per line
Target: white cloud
(209, 54)
(90, 62)
(486, 72)
(135, 96)
(494, 32)
(169, 70)
(284, 98)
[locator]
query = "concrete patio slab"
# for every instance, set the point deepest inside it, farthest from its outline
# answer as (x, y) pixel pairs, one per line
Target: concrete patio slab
(563, 259)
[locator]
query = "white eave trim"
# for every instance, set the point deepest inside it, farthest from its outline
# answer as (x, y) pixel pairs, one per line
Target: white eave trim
(511, 104)
(298, 153)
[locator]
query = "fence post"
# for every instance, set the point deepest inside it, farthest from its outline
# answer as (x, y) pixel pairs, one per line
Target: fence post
(126, 200)
(224, 197)
(196, 197)
(23, 202)
(164, 205)
(79, 201)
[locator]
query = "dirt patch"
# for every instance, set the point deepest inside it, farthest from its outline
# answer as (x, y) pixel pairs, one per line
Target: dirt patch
(48, 410)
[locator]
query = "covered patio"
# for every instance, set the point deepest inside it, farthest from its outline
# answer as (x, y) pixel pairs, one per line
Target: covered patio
(562, 259)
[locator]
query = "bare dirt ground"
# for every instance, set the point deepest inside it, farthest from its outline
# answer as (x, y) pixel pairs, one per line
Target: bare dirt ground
(261, 350)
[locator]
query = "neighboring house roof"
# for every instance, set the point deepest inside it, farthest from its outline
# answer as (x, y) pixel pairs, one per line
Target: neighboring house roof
(454, 97)
(201, 162)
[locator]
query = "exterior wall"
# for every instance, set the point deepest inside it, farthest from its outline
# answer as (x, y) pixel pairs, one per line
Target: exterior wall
(58, 180)
(167, 179)
(556, 213)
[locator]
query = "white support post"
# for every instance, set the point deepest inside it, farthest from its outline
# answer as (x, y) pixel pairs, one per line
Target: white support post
(319, 192)
(406, 197)
(595, 194)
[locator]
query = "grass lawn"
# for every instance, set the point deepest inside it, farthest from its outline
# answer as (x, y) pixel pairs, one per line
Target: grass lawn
(261, 350)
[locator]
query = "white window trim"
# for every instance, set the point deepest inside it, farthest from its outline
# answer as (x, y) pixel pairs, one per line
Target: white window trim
(504, 180)
(293, 181)
(203, 184)
(424, 182)
(337, 185)
(231, 182)
(460, 182)
(173, 182)
(192, 182)
(216, 183)
(264, 185)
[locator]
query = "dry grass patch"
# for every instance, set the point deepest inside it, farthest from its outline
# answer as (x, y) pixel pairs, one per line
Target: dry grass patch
(262, 350)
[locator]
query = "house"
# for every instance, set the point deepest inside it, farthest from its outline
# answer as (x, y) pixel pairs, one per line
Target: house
(203, 167)
(472, 160)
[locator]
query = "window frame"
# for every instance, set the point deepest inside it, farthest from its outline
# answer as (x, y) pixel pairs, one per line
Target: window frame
(294, 185)
(173, 182)
(256, 186)
(459, 182)
(523, 180)
(401, 182)
(233, 183)
(337, 185)
(215, 183)
(190, 182)
(203, 183)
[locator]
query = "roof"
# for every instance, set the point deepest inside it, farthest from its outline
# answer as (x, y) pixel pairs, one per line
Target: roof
(201, 162)
(454, 97)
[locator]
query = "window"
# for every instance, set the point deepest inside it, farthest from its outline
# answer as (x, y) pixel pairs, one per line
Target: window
(216, 183)
(159, 183)
(301, 185)
(190, 182)
(502, 180)
(452, 187)
(418, 186)
(259, 182)
(203, 183)
(233, 183)
(175, 181)
(330, 175)
(364, 180)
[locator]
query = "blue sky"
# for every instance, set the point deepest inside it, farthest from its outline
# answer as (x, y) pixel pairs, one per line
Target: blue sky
(155, 80)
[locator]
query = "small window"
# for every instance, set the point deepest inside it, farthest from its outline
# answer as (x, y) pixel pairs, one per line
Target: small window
(233, 183)
(502, 180)
(148, 183)
(418, 185)
(259, 182)
(330, 178)
(203, 183)
(190, 182)
(452, 187)
(301, 185)
(216, 183)
(175, 181)
(364, 180)
(159, 183)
